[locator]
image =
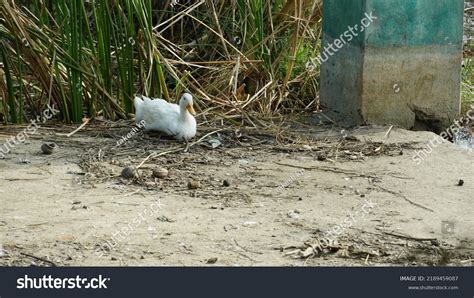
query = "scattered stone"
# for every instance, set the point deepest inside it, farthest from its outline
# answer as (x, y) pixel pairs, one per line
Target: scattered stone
(460, 182)
(194, 184)
(160, 172)
(48, 148)
(226, 183)
(321, 157)
(128, 173)
(211, 261)
(294, 214)
(244, 162)
(214, 143)
(249, 223)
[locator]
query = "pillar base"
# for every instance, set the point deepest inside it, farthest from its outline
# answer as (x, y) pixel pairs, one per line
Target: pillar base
(402, 69)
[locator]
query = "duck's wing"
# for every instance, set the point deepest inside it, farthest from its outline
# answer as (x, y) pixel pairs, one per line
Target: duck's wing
(161, 115)
(161, 107)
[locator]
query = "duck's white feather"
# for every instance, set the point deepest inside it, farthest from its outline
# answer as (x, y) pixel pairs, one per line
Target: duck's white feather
(160, 115)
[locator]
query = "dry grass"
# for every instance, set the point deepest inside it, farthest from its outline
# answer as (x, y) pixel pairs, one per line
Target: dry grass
(242, 59)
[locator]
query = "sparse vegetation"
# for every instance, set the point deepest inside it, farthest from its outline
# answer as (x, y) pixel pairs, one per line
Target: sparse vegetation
(467, 85)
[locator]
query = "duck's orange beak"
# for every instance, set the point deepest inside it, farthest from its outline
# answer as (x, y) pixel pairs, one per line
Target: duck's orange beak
(191, 109)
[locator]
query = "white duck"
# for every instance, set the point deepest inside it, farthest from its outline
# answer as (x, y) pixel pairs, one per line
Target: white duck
(174, 120)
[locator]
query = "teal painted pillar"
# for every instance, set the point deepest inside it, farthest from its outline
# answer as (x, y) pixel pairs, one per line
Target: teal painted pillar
(392, 61)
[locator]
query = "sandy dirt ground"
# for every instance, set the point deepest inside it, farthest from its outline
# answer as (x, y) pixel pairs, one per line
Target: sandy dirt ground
(259, 200)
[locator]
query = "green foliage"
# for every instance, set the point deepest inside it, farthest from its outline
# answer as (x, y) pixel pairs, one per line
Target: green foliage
(90, 58)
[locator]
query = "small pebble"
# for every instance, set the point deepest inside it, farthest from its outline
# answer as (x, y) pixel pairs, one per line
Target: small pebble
(321, 157)
(211, 261)
(159, 172)
(48, 148)
(194, 184)
(226, 183)
(128, 173)
(249, 223)
(460, 182)
(295, 214)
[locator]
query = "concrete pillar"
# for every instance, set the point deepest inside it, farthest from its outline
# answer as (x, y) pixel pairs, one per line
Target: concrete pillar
(392, 61)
